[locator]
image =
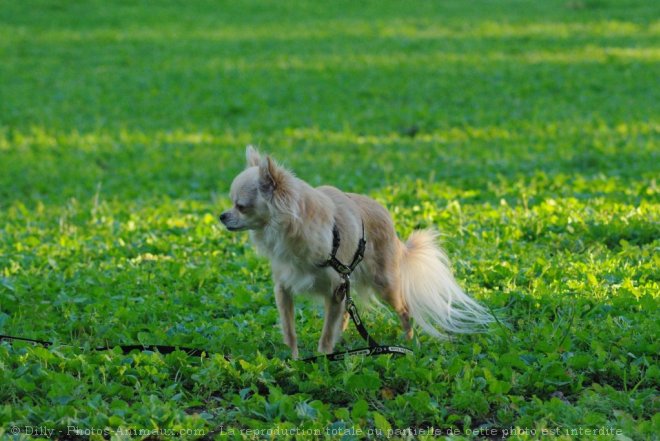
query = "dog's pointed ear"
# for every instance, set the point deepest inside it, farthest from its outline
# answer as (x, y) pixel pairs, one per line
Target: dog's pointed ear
(271, 176)
(252, 156)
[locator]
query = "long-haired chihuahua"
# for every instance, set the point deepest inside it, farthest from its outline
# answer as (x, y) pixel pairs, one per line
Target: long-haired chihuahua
(292, 224)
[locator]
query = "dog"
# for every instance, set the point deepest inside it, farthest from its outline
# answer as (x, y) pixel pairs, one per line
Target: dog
(292, 224)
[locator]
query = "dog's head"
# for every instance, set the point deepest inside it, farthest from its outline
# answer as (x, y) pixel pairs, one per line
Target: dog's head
(254, 193)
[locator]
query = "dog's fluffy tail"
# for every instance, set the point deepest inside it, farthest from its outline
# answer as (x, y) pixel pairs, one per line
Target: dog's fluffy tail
(434, 299)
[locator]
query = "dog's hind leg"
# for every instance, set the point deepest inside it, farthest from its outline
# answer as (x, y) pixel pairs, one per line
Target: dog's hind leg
(334, 312)
(393, 294)
(284, 300)
(404, 317)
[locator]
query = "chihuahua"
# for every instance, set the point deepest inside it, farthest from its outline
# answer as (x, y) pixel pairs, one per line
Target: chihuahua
(292, 224)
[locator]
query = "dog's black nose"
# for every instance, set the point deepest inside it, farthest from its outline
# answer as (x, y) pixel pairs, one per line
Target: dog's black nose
(223, 217)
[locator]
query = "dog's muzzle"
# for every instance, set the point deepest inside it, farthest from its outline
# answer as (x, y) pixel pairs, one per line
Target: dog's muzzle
(229, 222)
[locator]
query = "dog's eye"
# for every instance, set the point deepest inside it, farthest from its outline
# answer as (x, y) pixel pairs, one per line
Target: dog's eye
(240, 207)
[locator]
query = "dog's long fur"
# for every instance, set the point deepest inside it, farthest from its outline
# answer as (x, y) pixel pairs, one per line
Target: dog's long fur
(291, 223)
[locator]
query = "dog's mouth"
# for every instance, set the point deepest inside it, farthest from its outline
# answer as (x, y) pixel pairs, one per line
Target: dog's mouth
(231, 228)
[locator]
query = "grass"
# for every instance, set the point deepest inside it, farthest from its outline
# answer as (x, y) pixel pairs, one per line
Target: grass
(527, 132)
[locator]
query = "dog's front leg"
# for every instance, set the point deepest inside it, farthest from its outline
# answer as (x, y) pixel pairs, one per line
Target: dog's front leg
(334, 313)
(284, 300)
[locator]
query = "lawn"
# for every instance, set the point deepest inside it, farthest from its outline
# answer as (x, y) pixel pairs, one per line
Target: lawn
(527, 132)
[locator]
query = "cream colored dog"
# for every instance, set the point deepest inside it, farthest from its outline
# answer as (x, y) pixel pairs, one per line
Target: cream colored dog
(292, 224)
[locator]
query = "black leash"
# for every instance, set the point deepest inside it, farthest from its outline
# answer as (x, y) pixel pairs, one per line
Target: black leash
(343, 291)
(126, 349)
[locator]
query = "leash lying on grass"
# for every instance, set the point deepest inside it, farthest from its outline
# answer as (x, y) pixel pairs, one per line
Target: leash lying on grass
(163, 349)
(373, 349)
(342, 292)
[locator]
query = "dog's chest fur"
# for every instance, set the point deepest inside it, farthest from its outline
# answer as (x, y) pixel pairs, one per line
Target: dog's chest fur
(295, 265)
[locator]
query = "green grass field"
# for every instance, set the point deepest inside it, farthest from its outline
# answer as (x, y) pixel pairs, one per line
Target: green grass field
(527, 132)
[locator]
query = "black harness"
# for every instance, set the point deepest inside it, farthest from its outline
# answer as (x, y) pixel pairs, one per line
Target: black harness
(344, 291)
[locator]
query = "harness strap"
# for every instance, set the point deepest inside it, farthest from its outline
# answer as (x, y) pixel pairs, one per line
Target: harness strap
(335, 263)
(359, 324)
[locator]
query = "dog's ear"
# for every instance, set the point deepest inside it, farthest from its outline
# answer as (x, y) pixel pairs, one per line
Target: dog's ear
(252, 156)
(271, 176)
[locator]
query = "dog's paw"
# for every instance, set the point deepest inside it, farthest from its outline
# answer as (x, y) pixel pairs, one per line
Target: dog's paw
(324, 348)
